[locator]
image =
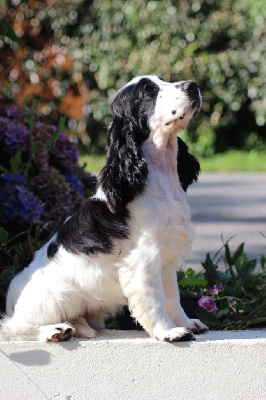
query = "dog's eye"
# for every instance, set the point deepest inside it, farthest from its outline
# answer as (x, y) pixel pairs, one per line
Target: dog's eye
(148, 88)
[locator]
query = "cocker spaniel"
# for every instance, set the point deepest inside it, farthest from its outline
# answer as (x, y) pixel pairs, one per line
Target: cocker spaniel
(125, 244)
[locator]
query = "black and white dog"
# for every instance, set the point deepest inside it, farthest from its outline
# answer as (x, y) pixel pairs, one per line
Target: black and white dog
(125, 243)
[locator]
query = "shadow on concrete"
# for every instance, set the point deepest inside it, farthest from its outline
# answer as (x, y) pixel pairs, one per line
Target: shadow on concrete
(31, 357)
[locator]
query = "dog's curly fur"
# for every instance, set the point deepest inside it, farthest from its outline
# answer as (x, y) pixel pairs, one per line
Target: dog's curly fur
(124, 245)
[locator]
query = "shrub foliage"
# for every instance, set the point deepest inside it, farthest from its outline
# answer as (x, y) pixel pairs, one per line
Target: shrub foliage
(104, 44)
(41, 183)
(233, 293)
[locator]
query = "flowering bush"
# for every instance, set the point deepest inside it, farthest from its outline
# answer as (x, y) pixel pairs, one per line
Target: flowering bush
(242, 303)
(236, 298)
(17, 200)
(41, 183)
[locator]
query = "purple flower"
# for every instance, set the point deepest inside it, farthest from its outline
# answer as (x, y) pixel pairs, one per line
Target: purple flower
(59, 197)
(64, 150)
(16, 200)
(14, 179)
(216, 289)
(232, 303)
(51, 129)
(53, 194)
(75, 182)
(14, 135)
(3, 128)
(41, 158)
(208, 303)
(11, 111)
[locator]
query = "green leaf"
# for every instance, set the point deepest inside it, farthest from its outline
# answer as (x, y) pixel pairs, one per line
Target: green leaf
(6, 276)
(223, 312)
(211, 270)
(241, 261)
(15, 162)
(263, 262)
(16, 236)
(223, 277)
(260, 310)
(112, 322)
(3, 169)
(191, 281)
(3, 236)
(207, 317)
(190, 272)
(6, 30)
(58, 129)
(256, 321)
(246, 270)
(238, 253)
(228, 254)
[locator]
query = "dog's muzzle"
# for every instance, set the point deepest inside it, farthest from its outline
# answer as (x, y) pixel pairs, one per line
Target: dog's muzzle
(192, 91)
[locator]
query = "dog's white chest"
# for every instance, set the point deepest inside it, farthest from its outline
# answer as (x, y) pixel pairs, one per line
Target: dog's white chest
(177, 232)
(162, 216)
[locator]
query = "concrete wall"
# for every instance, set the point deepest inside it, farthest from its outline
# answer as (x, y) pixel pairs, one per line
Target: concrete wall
(130, 365)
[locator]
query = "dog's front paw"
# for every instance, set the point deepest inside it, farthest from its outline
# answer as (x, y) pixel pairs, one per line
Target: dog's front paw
(198, 326)
(175, 335)
(195, 325)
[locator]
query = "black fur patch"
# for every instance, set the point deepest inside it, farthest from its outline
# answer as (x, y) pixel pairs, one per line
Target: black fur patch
(124, 174)
(92, 228)
(52, 249)
(188, 167)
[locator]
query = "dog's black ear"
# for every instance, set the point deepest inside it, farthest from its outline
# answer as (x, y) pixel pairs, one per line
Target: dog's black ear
(125, 171)
(188, 167)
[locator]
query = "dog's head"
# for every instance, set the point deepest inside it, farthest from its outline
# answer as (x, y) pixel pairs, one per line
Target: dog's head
(157, 105)
(145, 106)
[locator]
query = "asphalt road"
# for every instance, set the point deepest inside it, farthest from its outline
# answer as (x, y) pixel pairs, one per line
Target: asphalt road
(228, 205)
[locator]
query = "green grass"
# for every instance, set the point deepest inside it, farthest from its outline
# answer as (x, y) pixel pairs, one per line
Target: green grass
(94, 162)
(232, 161)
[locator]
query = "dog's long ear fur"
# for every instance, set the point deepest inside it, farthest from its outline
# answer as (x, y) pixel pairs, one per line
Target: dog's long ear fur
(125, 171)
(188, 167)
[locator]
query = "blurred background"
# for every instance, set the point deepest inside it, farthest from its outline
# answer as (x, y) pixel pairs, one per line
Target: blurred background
(72, 56)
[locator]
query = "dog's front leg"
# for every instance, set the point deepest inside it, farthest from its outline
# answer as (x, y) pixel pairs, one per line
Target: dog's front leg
(141, 281)
(174, 309)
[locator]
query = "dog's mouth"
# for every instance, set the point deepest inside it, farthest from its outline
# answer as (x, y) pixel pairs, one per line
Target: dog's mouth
(193, 106)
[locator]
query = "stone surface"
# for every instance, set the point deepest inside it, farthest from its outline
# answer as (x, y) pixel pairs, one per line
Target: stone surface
(130, 365)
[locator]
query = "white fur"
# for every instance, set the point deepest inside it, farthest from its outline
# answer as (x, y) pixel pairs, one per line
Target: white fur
(141, 272)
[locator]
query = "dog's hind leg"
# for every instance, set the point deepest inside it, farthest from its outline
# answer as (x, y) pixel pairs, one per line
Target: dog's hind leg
(56, 333)
(82, 328)
(11, 329)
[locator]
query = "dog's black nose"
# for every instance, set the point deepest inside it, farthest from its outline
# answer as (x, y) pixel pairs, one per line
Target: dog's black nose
(191, 90)
(190, 86)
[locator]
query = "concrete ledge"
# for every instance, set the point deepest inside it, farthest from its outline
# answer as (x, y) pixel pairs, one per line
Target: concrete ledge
(130, 365)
